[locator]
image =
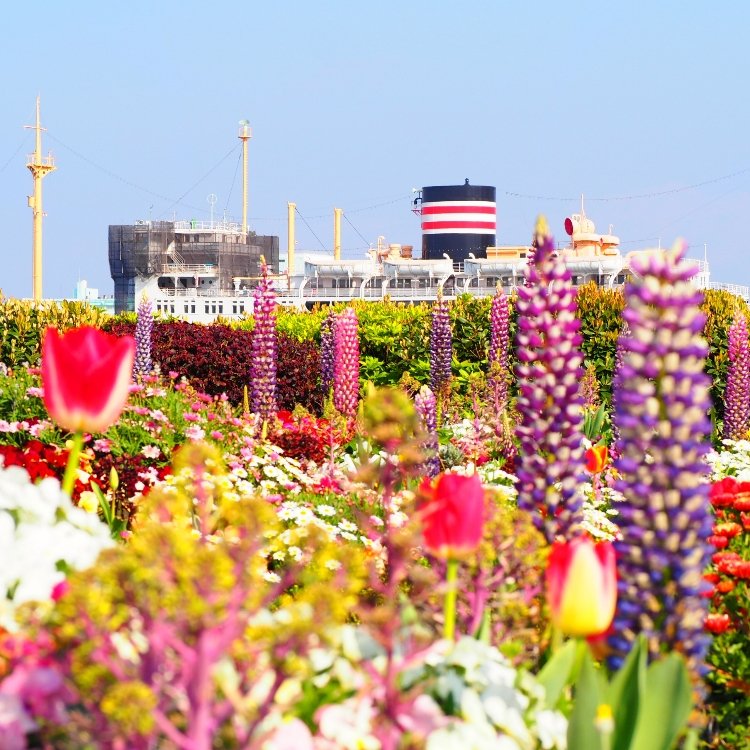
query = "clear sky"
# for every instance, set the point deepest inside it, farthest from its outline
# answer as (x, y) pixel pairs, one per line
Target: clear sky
(353, 104)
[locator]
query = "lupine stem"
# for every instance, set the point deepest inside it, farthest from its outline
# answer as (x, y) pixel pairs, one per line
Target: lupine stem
(74, 457)
(451, 581)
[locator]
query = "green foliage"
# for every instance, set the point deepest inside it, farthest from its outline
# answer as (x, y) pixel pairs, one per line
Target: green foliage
(643, 707)
(600, 312)
(23, 322)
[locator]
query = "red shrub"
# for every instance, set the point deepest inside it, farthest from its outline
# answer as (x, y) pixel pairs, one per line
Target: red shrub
(216, 359)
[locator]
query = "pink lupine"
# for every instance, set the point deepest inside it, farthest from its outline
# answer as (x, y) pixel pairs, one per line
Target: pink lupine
(346, 363)
(737, 394)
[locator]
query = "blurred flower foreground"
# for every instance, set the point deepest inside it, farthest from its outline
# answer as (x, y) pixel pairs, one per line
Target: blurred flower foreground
(496, 561)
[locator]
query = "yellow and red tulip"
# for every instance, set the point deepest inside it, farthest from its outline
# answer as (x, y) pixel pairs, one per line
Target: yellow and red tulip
(86, 374)
(596, 459)
(582, 586)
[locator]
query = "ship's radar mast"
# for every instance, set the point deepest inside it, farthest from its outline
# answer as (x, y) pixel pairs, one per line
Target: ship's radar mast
(244, 135)
(39, 166)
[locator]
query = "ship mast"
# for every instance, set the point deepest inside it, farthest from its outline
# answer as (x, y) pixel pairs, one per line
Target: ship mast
(245, 135)
(39, 167)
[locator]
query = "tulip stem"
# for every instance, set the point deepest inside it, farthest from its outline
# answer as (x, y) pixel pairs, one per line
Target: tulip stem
(74, 457)
(451, 577)
(557, 639)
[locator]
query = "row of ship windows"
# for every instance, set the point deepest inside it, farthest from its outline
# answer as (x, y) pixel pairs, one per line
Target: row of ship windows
(209, 308)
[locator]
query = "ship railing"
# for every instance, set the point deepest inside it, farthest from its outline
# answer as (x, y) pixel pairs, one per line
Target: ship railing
(229, 227)
(190, 268)
(327, 292)
(737, 289)
(424, 293)
(195, 292)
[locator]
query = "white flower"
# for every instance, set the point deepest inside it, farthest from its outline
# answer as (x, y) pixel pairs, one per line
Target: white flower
(325, 510)
(40, 530)
(552, 728)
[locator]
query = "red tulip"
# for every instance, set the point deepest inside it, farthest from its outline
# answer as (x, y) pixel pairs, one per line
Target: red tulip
(86, 374)
(453, 514)
(582, 586)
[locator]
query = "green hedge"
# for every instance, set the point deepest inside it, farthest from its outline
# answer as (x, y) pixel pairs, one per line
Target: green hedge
(394, 338)
(22, 323)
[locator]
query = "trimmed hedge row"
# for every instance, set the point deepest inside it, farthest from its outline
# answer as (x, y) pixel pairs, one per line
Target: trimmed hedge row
(217, 359)
(394, 341)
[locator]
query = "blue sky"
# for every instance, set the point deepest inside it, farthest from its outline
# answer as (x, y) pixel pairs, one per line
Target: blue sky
(353, 104)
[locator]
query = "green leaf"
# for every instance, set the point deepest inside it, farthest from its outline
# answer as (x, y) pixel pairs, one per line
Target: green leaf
(625, 693)
(557, 671)
(666, 705)
(589, 695)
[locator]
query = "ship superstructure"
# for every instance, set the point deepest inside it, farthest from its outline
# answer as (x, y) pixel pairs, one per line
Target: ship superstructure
(202, 270)
(190, 267)
(202, 291)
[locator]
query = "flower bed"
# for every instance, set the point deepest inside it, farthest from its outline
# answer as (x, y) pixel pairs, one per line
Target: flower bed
(405, 570)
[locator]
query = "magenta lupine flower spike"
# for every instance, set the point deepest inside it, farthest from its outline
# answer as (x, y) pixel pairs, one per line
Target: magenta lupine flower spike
(497, 359)
(264, 348)
(661, 399)
(425, 404)
(441, 346)
(549, 370)
(737, 394)
(142, 365)
(327, 351)
(346, 367)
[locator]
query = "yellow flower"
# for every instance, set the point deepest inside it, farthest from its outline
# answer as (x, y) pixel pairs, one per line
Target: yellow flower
(89, 502)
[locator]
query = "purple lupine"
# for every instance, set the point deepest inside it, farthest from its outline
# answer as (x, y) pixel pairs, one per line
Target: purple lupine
(662, 401)
(441, 346)
(737, 394)
(327, 350)
(346, 366)
(142, 365)
(264, 349)
(426, 405)
(499, 347)
(549, 370)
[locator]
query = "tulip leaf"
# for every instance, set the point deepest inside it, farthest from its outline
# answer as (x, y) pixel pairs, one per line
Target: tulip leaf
(666, 705)
(556, 673)
(626, 689)
(590, 691)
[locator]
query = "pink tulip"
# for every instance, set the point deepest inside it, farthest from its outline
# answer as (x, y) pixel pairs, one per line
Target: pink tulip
(86, 376)
(582, 586)
(453, 514)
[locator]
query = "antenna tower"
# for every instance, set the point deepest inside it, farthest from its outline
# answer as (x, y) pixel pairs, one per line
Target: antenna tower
(39, 166)
(244, 135)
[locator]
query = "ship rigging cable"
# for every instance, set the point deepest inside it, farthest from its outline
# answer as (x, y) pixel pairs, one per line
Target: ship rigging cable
(234, 179)
(190, 189)
(15, 153)
(509, 193)
(364, 239)
(309, 227)
(639, 196)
